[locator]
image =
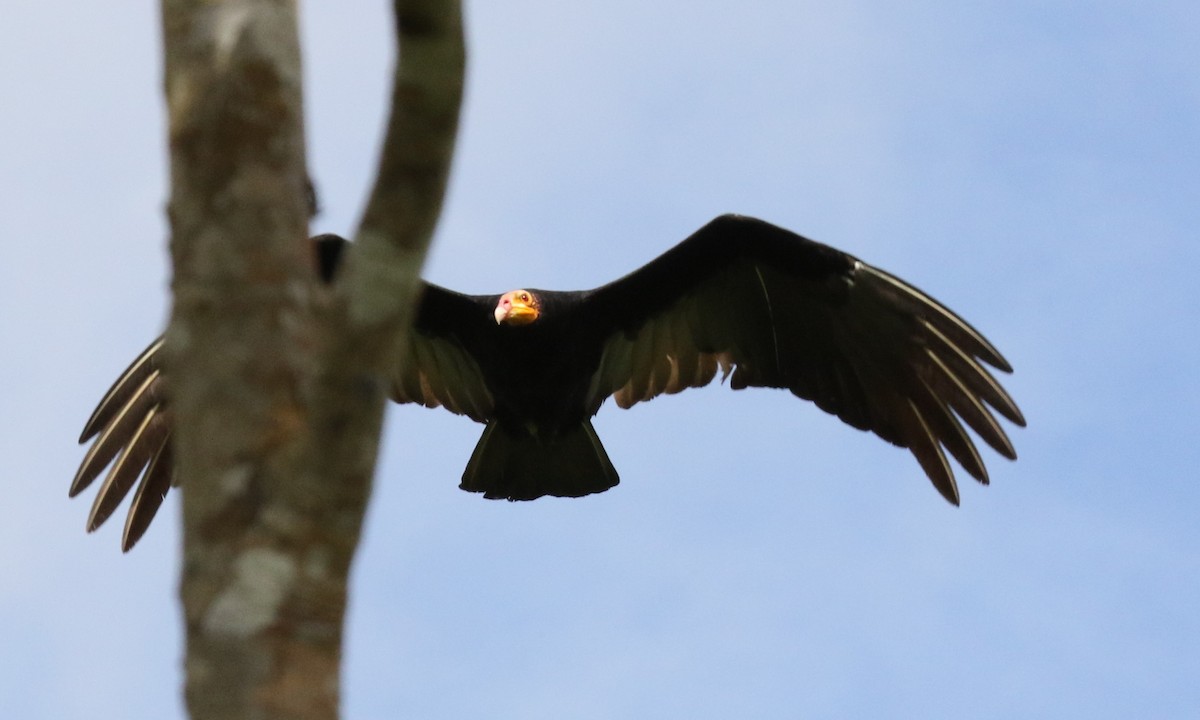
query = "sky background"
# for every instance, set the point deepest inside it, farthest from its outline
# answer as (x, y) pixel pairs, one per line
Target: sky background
(1034, 165)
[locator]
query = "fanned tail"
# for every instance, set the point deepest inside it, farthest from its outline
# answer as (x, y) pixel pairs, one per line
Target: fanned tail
(519, 466)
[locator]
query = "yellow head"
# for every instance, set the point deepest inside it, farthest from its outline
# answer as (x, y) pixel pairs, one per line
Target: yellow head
(517, 307)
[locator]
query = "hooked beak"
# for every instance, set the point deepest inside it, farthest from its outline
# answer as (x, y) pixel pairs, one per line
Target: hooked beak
(516, 308)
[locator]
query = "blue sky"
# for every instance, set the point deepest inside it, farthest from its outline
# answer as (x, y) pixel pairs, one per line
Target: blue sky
(1034, 165)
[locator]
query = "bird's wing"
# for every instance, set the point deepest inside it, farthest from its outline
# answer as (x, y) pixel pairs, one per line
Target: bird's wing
(774, 309)
(131, 427)
(437, 370)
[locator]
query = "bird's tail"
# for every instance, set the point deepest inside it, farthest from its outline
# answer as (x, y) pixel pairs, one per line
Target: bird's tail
(521, 466)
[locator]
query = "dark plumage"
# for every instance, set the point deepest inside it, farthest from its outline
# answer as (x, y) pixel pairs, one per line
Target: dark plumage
(757, 303)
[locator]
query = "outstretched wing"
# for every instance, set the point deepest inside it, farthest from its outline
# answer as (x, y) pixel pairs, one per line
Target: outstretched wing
(437, 370)
(131, 427)
(775, 309)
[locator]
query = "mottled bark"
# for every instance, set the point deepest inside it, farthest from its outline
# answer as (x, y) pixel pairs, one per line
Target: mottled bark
(415, 163)
(277, 382)
(379, 283)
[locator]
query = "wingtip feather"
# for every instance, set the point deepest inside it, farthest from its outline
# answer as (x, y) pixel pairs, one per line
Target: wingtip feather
(117, 395)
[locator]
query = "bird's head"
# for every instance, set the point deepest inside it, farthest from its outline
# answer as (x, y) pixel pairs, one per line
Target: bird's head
(517, 307)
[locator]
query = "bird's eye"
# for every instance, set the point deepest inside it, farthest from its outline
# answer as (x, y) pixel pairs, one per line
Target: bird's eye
(524, 297)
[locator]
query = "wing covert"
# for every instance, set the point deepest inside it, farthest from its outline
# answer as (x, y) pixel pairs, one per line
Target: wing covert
(437, 369)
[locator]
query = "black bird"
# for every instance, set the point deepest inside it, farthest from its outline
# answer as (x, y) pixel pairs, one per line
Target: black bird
(762, 306)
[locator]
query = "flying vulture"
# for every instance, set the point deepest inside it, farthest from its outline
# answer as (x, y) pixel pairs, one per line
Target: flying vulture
(741, 298)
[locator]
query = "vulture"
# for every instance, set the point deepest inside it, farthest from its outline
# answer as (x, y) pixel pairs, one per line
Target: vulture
(741, 298)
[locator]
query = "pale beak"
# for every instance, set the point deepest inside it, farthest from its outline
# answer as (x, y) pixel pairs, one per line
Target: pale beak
(511, 310)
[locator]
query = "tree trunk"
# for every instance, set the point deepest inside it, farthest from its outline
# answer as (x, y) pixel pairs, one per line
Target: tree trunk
(278, 383)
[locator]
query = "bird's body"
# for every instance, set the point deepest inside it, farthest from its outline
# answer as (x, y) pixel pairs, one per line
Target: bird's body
(741, 298)
(539, 440)
(537, 373)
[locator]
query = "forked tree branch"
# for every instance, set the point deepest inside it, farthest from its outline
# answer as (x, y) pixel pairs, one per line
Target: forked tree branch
(278, 383)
